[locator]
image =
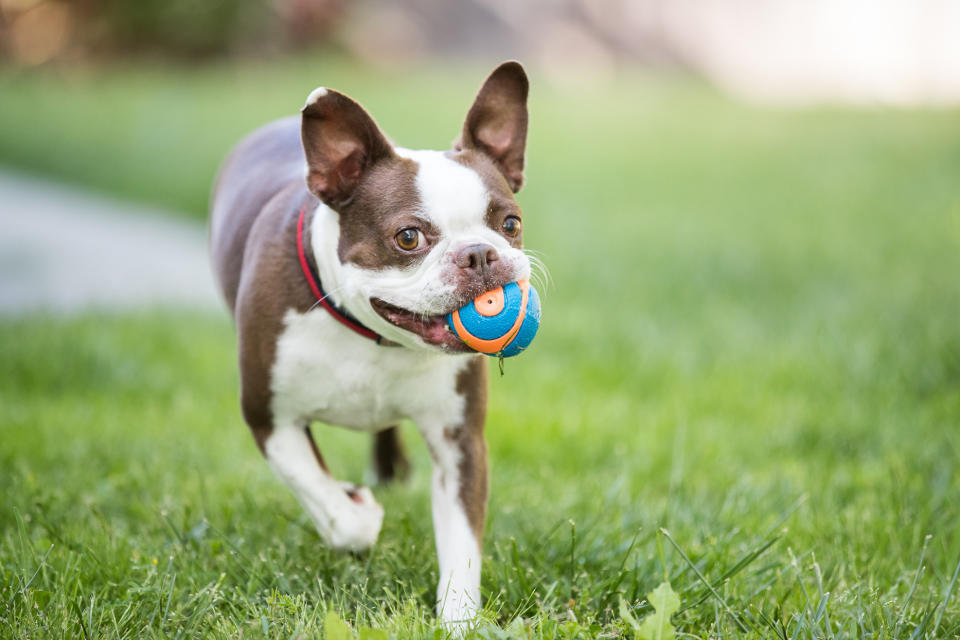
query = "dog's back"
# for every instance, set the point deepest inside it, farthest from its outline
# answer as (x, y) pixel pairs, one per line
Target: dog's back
(263, 164)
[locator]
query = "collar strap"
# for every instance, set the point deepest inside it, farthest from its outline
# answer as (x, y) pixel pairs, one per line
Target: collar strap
(313, 279)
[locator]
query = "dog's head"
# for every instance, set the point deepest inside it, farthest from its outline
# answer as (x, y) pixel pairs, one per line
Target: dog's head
(421, 233)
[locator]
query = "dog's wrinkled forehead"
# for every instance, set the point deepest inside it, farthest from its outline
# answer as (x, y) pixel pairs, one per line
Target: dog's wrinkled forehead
(449, 195)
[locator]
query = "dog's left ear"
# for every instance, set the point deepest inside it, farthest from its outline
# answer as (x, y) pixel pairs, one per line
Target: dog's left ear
(497, 122)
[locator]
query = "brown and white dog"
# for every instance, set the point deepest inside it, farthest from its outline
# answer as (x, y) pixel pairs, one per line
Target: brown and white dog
(395, 239)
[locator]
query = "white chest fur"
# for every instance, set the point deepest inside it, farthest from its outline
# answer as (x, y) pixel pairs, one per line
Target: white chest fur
(325, 372)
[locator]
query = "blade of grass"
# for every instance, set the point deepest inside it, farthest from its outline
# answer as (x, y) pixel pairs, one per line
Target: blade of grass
(706, 583)
(946, 599)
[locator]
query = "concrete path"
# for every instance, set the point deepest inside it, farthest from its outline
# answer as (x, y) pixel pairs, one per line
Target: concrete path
(64, 250)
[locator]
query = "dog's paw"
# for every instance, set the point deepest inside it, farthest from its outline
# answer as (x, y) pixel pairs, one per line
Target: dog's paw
(357, 523)
(457, 617)
(457, 607)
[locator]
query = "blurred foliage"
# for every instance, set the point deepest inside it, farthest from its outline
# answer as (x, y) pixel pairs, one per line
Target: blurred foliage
(183, 27)
(37, 31)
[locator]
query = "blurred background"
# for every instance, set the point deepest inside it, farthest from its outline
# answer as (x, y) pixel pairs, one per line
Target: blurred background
(750, 215)
(141, 100)
(890, 51)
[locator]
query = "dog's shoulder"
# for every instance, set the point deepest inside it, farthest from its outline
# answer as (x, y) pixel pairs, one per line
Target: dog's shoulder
(260, 176)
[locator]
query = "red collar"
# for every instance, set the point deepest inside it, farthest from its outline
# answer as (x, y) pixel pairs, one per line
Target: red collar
(313, 279)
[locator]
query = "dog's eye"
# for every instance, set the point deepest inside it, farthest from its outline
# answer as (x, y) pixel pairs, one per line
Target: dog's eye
(511, 226)
(408, 239)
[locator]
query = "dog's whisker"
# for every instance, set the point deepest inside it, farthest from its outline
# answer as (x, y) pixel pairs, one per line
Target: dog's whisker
(324, 298)
(543, 270)
(539, 273)
(544, 274)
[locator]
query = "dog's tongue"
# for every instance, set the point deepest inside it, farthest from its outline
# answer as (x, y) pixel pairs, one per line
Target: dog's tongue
(431, 329)
(435, 331)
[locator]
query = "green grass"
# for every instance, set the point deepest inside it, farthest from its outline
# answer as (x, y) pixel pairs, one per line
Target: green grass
(751, 341)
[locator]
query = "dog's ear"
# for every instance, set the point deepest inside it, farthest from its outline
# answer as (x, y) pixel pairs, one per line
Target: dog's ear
(341, 142)
(497, 122)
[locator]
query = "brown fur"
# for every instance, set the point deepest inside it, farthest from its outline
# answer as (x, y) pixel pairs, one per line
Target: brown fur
(316, 451)
(389, 457)
(271, 283)
(474, 484)
(341, 143)
(496, 124)
(382, 205)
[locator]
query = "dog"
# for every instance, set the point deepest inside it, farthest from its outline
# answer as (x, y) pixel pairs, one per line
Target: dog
(339, 285)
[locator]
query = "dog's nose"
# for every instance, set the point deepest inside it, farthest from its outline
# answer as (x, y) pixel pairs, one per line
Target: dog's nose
(475, 257)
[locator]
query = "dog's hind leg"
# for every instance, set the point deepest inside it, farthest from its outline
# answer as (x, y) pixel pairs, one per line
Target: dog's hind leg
(389, 458)
(345, 515)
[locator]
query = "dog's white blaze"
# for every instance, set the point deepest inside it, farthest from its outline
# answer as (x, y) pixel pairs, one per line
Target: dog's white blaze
(452, 195)
(455, 200)
(341, 522)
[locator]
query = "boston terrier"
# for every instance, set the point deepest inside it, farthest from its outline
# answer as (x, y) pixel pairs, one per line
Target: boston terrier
(339, 285)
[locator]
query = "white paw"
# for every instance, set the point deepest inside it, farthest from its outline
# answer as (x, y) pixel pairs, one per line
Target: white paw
(356, 522)
(457, 615)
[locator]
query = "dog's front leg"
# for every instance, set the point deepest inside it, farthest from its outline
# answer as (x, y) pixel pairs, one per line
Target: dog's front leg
(459, 500)
(345, 515)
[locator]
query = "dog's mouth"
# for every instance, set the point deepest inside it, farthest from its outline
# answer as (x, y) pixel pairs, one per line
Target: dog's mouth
(431, 329)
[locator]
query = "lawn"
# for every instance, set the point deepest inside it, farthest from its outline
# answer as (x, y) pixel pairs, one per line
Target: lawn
(747, 381)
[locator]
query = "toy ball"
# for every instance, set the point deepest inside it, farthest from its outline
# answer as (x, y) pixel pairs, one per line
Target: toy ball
(501, 322)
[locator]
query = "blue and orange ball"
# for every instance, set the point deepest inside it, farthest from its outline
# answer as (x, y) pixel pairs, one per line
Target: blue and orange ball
(501, 322)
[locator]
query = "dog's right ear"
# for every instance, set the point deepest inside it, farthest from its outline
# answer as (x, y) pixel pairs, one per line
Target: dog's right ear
(341, 142)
